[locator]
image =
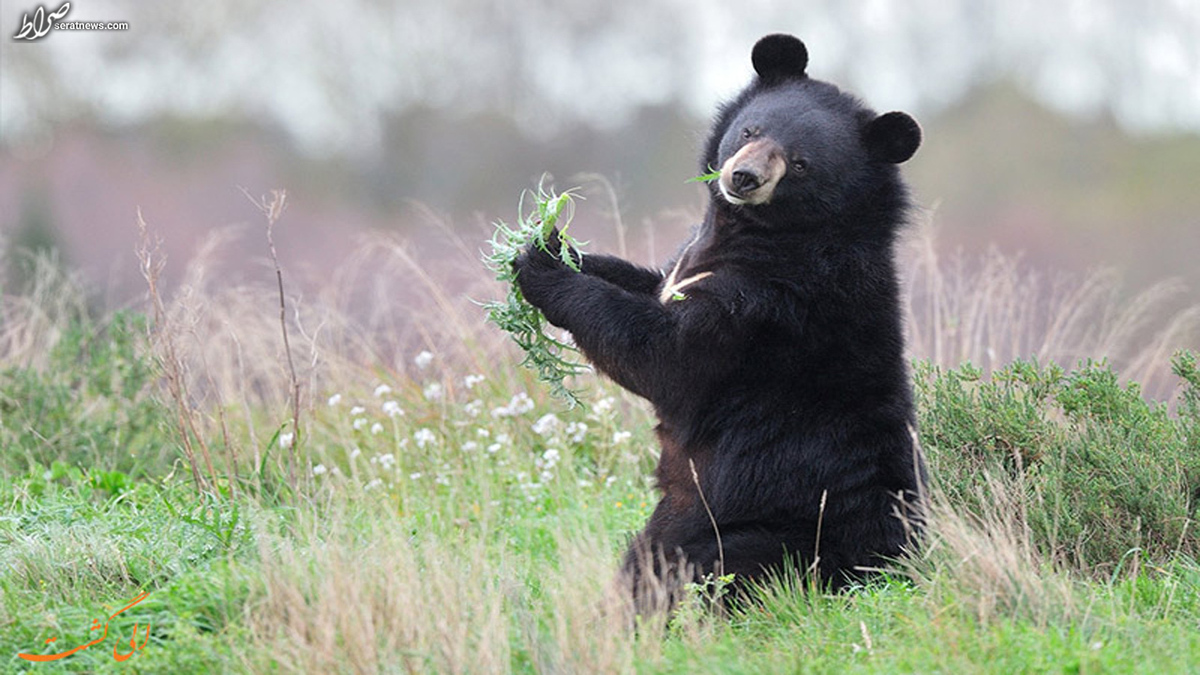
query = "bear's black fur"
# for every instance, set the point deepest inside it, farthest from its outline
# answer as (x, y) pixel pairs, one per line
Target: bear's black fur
(772, 350)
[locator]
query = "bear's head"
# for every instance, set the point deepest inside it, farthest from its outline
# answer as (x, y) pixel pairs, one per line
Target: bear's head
(792, 143)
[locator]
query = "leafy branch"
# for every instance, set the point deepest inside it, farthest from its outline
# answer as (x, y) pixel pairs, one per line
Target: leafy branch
(552, 359)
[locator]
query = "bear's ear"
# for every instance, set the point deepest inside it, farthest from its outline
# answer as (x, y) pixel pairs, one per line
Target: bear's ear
(777, 56)
(892, 137)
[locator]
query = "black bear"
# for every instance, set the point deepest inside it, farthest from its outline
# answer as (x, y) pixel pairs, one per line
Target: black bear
(772, 348)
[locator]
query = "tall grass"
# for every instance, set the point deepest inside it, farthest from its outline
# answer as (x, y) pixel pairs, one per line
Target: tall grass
(33, 322)
(990, 309)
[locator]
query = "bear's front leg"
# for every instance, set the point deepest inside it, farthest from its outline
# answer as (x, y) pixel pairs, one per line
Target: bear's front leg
(619, 272)
(631, 277)
(651, 348)
(628, 335)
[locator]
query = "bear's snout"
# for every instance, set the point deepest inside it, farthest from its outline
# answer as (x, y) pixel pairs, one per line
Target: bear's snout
(746, 180)
(750, 176)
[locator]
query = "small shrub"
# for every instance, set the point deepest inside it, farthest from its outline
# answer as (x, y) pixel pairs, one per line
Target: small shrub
(92, 397)
(1105, 473)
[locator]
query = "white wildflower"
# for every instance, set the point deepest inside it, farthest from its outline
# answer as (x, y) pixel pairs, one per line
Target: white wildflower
(471, 380)
(546, 424)
(415, 475)
(424, 437)
(423, 359)
(285, 440)
(319, 470)
(551, 456)
(335, 399)
(387, 461)
(470, 446)
(521, 403)
(576, 431)
(474, 408)
(359, 423)
(355, 452)
(392, 409)
(375, 482)
(517, 405)
(381, 390)
(621, 436)
(357, 410)
(376, 428)
(433, 391)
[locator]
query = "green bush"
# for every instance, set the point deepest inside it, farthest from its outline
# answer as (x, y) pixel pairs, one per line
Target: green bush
(89, 407)
(1105, 473)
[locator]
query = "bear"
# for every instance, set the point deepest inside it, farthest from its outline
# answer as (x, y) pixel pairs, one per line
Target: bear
(771, 349)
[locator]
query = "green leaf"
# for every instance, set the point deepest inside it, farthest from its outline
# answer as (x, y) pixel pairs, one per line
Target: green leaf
(713, 174)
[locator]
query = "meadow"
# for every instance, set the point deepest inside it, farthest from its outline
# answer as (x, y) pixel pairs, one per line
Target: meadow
(242, 478)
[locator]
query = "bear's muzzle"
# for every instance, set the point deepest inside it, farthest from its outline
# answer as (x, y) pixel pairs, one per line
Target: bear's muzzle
(750, 176)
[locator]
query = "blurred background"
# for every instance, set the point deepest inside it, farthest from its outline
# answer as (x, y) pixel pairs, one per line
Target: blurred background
(1066, 132)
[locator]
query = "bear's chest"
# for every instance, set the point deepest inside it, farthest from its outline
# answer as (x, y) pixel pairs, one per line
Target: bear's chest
(682, 275)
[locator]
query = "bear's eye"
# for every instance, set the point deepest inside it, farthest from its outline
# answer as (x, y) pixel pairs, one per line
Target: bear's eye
(800, 165)
(748, 133)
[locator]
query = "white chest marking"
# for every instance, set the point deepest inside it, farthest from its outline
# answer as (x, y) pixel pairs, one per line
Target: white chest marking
(672, 289)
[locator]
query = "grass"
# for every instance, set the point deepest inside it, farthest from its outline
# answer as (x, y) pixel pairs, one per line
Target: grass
(448, 515)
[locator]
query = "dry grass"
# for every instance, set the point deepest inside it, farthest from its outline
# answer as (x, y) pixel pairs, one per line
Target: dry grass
(165, 344)
(226, 366)
(365, 598)
(385, 303)
(350, 592)
(993, 308)
(990, 563)
(33, 322)
(389, 299)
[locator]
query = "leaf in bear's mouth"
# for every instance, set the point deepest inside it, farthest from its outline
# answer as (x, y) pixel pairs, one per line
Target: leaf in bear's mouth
(709, 177)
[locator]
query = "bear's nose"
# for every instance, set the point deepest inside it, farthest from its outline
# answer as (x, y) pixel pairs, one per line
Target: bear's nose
(745, 181)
